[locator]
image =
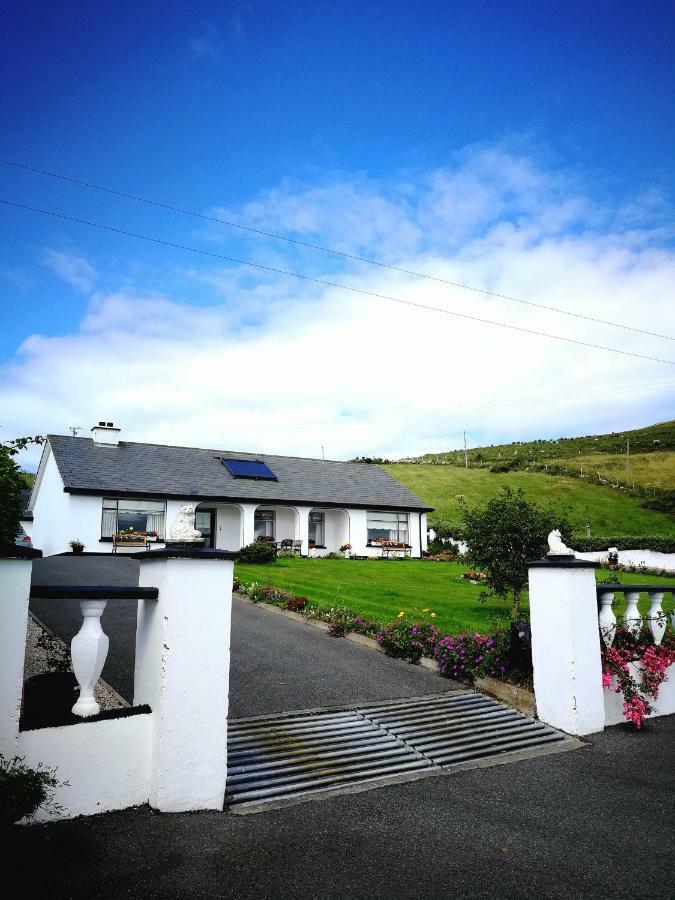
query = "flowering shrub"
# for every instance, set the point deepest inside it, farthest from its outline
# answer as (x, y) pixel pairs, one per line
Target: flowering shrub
(617, 675)
(408, 640)
(344, 547)
(468, 656)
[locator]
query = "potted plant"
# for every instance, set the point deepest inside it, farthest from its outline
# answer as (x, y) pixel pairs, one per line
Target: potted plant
(51, 694)
(345, 549)
(76, 546)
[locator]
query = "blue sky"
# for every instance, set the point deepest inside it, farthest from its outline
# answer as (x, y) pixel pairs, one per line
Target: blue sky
(302, 117)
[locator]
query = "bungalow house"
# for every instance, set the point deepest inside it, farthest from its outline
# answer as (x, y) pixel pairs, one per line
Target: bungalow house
(93, 488)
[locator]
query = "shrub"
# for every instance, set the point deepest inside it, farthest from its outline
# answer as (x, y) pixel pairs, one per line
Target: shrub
(408, 640)
(258, 552)
(295, 604)
(23, 790)
(339, 621)
(468, 656)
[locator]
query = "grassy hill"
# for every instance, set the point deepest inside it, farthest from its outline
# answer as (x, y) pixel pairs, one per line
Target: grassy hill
(591, 478)
(652, 439)
(610, 512)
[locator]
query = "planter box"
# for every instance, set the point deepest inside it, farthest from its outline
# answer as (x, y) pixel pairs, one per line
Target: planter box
(519, 698)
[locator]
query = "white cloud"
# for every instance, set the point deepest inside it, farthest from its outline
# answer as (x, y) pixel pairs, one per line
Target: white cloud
(283, 366)
(74, 270)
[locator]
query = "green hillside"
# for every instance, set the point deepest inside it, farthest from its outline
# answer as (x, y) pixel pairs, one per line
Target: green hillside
(610, 512)
(642, 440)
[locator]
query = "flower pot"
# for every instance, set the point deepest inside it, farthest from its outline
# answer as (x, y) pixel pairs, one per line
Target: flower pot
(77, 549)
(50, 695)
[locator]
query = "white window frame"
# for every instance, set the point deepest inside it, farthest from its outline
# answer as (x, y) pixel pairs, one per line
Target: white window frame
(400, 532)
(110, 506)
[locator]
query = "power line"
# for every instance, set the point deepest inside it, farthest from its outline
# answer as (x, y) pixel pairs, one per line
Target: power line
(335, 284)
(354, 257)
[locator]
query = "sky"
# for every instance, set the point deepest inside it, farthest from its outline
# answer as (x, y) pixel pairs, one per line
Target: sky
(524, 149)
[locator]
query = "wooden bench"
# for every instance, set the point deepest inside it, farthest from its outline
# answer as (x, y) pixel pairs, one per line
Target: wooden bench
(389, 547)
(122, 540)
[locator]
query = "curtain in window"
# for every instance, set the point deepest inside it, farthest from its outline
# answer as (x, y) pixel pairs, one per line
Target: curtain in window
(109, 523)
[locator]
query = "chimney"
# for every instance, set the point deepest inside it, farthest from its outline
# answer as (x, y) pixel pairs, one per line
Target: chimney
(105, 433)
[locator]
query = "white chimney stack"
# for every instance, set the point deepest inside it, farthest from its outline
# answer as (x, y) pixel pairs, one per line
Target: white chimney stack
(106, 433)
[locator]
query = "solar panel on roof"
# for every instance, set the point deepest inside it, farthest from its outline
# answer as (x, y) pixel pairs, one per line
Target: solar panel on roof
(249, 468)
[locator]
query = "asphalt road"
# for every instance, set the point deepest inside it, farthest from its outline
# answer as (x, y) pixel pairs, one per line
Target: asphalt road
(276, 664)
(595, 822)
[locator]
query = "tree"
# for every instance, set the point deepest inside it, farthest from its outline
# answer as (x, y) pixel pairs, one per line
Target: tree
(11, 485)
(504, 535)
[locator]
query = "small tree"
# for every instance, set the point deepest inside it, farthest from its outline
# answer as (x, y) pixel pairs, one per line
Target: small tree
(11, 485)
(504, 535)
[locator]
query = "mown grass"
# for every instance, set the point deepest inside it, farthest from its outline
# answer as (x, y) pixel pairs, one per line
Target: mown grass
(609, 512)
(380, 589)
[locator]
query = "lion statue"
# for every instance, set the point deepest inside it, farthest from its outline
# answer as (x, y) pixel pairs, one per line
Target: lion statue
(556, 546)
(183, 526)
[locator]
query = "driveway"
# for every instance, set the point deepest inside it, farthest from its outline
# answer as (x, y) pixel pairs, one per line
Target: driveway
(594, 823)
(276, 664)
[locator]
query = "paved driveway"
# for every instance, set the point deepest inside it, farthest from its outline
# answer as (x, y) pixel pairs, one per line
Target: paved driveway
(276, 664)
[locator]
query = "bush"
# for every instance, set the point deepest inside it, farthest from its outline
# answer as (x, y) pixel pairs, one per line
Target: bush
(259, 552)
(406, 640)
(23, 790)
(468, 656)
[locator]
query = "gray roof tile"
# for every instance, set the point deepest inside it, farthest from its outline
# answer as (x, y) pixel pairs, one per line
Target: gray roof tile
(159, 470)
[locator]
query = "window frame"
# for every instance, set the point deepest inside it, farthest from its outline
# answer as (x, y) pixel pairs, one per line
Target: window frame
(268, 515)
(400, 518)
(160, 538)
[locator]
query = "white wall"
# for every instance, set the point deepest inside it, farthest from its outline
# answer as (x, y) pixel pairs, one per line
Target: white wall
(107, 763)
(228, 527)
(51, 510)
(649, 558)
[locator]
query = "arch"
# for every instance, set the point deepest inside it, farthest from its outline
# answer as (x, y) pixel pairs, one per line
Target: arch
(336, 529)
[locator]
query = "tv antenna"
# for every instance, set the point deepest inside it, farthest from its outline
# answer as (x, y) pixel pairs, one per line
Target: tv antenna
(74, 429)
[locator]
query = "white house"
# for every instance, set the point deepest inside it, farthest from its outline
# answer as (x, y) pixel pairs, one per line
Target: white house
(92, 488)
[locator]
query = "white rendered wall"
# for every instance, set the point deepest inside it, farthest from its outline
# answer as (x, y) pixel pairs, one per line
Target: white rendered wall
(649, 558)
(107, 763)
(15, 577)
(566, 648)
(185, 635)
(228, 527)
(51, 510)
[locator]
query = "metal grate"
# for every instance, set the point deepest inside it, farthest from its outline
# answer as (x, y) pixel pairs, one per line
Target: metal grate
(276, 759)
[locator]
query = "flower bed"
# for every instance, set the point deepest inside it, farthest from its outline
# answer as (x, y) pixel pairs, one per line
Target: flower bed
(461, 657)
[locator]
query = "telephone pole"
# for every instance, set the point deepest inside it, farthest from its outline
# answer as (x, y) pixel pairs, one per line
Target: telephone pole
(628, 461)
(466, 458)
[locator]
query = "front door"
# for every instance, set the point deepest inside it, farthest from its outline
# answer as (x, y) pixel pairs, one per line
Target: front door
(205, 521)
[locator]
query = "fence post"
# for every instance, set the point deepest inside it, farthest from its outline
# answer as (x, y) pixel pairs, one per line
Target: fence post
(16, 566)
(182, 671)
(566, 644)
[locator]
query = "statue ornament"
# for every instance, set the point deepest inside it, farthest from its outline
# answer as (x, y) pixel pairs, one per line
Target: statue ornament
(183, 526)
(556, 546)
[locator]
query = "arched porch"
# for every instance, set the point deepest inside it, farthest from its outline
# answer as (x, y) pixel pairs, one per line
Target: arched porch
(222, 524)
(328, 529)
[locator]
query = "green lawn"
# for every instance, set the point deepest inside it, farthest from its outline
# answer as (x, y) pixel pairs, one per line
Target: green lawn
(381, 589)
(610, 512)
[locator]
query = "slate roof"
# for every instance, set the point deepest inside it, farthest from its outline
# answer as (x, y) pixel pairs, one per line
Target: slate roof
(157, 470)
(26, 513)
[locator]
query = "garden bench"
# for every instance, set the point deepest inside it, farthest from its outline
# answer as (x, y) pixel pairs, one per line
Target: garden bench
(389, 547)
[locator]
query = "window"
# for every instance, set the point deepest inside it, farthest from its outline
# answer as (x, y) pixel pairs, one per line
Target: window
(317, 529)
(141, 515)
(385, 526)
(263, 523)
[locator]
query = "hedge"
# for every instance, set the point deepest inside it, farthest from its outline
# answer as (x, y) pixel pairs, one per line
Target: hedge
(588, 545)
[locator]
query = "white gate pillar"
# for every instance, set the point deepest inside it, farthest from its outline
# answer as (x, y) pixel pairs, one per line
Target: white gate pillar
(182, 671)
(566, 644)
(16, 565)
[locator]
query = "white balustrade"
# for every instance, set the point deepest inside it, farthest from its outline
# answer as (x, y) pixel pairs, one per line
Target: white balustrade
(606, 618)
(632, 617)
(88, 650)
(657, 618)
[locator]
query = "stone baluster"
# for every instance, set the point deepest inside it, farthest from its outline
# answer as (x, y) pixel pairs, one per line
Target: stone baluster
(657, 618)
(88, 650)
(632, 617)
(606, 618)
